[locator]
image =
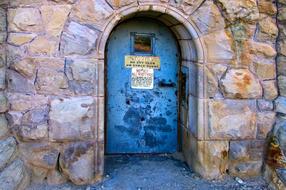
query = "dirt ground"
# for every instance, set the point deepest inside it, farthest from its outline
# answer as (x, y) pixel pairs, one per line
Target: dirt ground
(156, 172)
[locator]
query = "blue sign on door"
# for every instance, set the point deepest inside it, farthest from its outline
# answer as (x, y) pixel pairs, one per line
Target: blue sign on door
(142, 120)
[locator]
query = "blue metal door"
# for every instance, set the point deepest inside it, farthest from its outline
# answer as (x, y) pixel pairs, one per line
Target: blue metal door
(142, 120)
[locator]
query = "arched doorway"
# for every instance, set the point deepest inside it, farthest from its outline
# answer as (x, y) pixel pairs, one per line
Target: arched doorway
(142, 88)
(192, 112)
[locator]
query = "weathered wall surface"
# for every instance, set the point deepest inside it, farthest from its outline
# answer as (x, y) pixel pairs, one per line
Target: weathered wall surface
(275, 168)
(53, 57)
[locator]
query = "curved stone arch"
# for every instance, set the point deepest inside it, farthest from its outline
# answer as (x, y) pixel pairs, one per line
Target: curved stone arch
(174, 13)
(184, 29)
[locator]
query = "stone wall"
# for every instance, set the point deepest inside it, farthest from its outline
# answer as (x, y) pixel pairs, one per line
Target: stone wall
(13, 172)
(54, 65)
(275, 167)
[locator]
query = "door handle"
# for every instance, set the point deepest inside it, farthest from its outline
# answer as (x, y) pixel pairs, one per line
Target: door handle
(164, 84)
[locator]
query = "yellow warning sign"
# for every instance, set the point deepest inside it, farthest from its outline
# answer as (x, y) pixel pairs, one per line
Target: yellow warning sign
(150, 62)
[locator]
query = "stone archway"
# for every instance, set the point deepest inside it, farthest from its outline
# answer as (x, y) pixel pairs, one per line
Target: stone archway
(194, 57)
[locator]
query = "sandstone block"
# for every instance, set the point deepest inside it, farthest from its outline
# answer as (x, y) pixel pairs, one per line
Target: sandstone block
(23, 102)
(219, 46)
(232, 119)
(18, 83)
(265, 122)
(56, 178)
(3, 103)
(267, 29)
(3, 24)
(54, 18)
(240, 83)
(78, 39)
(32, 132)
(208, 18)
(81, 75)
(265, 70)
(25, 67)
(245, 10)
(94, 12)
(8, 151)
(280, 132)
(65, 125)
(282, 85)
(14, 176)
(246, 169)
(262, 49)
(40, 155)
(3, 126)
(246, 150)
(282, 13)
(121, 3)
(3, 37)
(270, 89)
(19, 39)
(77, 162)
(209, 158)
(2, 78)
(280, 104)
(281, 65)
(36, 116)
(21, 3)
(43, 45)
(267, 7)
(51, 80)
(24, 19)
(281, 48)
(265, 105)
(14, 118)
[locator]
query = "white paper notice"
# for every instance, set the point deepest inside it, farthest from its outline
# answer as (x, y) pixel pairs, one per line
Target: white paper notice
(142, 78)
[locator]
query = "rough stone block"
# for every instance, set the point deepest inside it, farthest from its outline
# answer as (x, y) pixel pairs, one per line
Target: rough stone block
(78, 39)
(8, 151)
(82, 74)
(43, 45)
(25, 67)
(54, 18)
(23, 102)
(282, 85)
(208, 158)
(24, 19)
(232, 119)
(3, 126)
(77, 162)
(208, 18)
(14, 176)
(281, 65)
(240, 83)
(250, 150)
(280, 104)
(3, 103)
(95, 12)
(265, 105)
(265, 122)
(65, 125)
(246, 169)
(18, 83)
(270, 91)
(219, 46)
(40, 155)
(240, 10)
(19, 39)
(3, 24)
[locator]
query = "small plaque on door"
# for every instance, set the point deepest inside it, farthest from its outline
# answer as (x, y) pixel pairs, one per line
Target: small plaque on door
(142, 78)
(150, 62)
